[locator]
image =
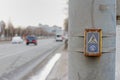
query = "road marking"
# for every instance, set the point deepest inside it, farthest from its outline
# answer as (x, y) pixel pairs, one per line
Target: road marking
(46, 70)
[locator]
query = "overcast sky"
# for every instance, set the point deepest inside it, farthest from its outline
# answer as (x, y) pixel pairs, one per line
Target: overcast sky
(33, 12)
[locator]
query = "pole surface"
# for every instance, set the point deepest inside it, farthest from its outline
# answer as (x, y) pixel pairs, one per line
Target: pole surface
(91, 14)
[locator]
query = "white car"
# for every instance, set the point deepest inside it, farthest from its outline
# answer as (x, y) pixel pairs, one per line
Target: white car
(59, 38)
(17, 39)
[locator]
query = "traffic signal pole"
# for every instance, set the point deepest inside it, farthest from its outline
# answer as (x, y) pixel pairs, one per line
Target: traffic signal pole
(91, 14)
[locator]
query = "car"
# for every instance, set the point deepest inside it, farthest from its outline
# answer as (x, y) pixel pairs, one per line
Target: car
(17, 40)
(59, 38)
(31, 40)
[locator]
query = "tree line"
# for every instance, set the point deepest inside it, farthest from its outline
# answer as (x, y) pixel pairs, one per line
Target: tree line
(8, 30)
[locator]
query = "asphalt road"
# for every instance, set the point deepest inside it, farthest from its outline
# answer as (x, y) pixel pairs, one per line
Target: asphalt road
(13, 56)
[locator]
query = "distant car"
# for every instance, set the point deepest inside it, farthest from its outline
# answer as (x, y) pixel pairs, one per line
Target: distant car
(59, 38)
(31, 40)
(17, 40)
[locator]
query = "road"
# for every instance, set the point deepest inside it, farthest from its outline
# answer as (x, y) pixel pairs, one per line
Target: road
(13, 56)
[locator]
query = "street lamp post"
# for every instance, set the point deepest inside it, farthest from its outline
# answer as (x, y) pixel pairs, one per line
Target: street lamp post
(91, 14)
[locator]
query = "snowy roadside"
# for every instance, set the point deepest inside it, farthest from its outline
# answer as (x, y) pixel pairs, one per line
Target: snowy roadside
(60, 70)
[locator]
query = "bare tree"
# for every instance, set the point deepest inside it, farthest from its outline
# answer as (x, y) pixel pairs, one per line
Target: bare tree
(2, 25)
(66, 24)
(19, 31)
(10, 30)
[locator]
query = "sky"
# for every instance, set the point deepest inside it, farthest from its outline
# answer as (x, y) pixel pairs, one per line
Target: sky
(33, 12)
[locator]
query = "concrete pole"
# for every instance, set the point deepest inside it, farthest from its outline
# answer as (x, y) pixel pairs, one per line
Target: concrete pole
(118, 11)
(91, 14)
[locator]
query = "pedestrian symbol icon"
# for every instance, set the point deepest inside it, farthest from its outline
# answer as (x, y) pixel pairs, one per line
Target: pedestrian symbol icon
(92, 39)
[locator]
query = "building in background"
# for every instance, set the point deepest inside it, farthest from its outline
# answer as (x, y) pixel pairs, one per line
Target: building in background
(51, 29)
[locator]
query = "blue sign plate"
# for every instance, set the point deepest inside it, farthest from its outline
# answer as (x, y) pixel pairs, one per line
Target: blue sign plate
(93, 42)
